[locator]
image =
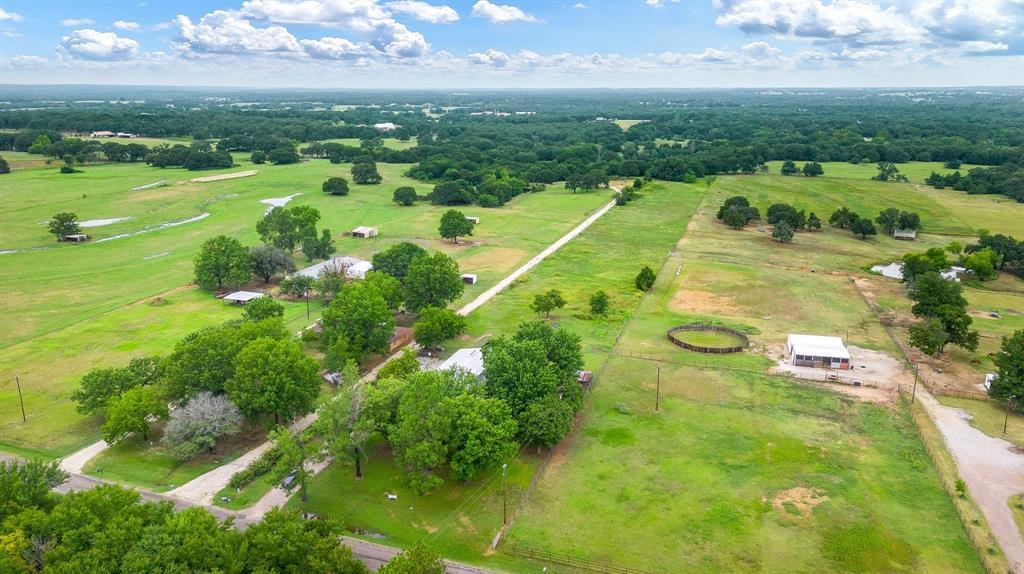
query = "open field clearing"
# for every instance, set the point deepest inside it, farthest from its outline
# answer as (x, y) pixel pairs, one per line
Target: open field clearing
(85, 306)
(393, 143)
(916, 171)
(739, 471)
(626, 124)
(461, 519)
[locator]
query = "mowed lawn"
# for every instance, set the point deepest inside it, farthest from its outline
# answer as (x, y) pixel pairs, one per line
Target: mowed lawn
(738, 471)
(459, 519)
(72, 307)
(916, 171)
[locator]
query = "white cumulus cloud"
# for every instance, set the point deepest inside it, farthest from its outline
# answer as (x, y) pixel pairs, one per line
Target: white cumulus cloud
(76, 22)
(127, 26)
(222, 32)
(337, 49)
(11, 16)
(89, 44)
(491, 58)
(424, 12)
(853, 21)
(500, 13)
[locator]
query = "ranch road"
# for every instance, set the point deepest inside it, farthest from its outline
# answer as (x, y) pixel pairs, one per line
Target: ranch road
(993, 472)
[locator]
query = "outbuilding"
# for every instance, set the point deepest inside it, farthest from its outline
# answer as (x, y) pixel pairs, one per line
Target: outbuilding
(904, 234)
(469, 278)
(473, 218)
(364, 232)
(102, 134)
(75, 237)
(470, 360)
(817, 351)
(352, 267)
(242, 297)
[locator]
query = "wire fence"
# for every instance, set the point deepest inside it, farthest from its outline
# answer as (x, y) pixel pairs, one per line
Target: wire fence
(569, 560)
(971, 524)
(832, 376)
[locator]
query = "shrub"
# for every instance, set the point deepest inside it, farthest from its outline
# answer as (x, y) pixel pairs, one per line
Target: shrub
(261, 466)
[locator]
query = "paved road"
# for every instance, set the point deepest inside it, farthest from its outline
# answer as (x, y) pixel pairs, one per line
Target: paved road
(992, 471)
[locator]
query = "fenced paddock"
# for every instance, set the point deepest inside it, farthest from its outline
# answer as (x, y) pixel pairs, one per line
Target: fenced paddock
(671, 334)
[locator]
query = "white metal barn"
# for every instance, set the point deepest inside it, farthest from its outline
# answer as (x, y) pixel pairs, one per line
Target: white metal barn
(817, 351)
(353, 268)
(470, 360)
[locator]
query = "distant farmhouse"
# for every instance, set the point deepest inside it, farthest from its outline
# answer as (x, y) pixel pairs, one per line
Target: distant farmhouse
(352, 267)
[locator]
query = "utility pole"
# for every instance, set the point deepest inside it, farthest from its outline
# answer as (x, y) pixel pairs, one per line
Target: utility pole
(21, 399)
(657, 396)
(504, 499)
(307, 304)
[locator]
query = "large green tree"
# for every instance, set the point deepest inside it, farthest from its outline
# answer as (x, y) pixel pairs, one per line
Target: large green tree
(417, 559)
(432, 281)
(99, 386)
(436, 325)
(132, 412)
(268, 261)
(222, 262)
(454, 225)
(63, 224)
(273, 377)
(286, 227)
(359, 317)
(395, 260)
(1009, 361)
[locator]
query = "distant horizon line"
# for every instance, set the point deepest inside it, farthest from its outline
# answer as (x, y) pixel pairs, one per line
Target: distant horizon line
(4, 86)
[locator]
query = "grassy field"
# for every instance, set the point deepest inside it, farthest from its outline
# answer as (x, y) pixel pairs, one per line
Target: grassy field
(392, 142)
(81, 306)
(159, 471)
(626, 124)
(988, 418)
(916, 171)
(1017, 506)
(738, 471)
(461, 519)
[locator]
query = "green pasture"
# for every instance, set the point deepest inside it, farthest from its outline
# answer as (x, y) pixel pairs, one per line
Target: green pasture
(916, 171)
(461, 519)
(392, 143)
(989, 417)
(741, 472)
(80, 306)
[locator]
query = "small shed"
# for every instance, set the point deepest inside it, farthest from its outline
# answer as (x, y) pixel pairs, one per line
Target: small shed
(75, 237)
(989, 379)
(242, 297)
(584, 378)
(817, 351)
(470, 360)
(904, 234)
(469, 278)
(364, 232)
(402, 337)
(473, 218)
(102, 134)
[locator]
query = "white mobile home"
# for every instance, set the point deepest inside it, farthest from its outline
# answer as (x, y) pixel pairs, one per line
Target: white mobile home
(817, 351)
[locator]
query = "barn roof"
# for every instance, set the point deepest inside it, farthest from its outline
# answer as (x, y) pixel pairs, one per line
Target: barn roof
(470, 360)
(242, 296)
(817, 346)
(354, 268)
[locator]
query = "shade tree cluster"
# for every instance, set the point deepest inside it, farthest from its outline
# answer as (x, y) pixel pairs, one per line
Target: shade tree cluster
(111, 529)
(940, 306)
(810, 169)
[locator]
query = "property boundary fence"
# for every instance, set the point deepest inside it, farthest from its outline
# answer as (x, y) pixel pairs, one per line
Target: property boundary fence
(702, 348)
(568, 560)
(829, 377)
(981, 546)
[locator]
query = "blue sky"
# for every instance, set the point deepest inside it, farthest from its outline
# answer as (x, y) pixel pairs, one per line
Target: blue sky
(514, 43)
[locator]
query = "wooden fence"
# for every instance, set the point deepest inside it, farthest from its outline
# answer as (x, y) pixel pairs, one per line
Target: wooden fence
(568, 560)
(702, 348)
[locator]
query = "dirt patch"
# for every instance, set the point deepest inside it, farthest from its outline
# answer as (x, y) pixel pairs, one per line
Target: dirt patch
(467, 524)
(223, 176)
(498, 259)
(798, 501)
(873, 368)
(705, 302)
(982, 314)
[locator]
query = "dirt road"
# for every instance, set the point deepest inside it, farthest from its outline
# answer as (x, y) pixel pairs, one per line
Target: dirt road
(992, 470)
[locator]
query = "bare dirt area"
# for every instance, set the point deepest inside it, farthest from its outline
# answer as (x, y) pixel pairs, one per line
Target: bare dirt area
(704, 302)
(798, 501)
(498, 258)
(869, 367)
(223, 176)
